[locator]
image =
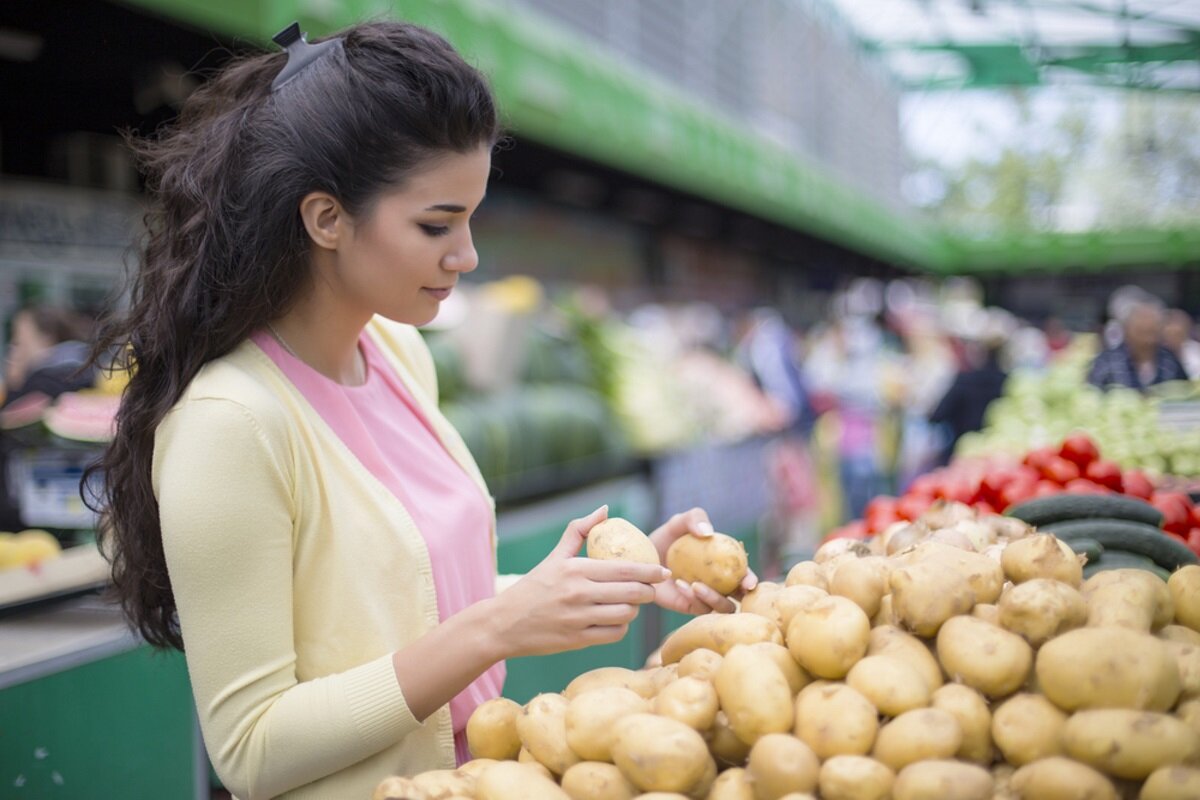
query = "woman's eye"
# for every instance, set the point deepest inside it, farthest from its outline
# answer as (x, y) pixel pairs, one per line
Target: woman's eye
(435, 230)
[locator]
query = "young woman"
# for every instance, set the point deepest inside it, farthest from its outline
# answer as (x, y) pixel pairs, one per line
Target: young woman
(283, 496)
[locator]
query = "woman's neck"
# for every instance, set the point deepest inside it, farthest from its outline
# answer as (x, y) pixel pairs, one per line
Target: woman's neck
(324, 337)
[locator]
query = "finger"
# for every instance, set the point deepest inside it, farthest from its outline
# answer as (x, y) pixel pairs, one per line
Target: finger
(575, 534)
(750, 581)
(612, 614)
(714, 599)
(622, 592)
(622, 571)
(604, 634)
(698, 523)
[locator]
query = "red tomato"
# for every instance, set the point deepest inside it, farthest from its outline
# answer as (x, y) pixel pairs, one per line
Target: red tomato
(1196, 516)
(1105, 473)
(1136, 484)
(1038, 457)
(926, 485)
(1176, 510)
(912, 506)
(1079, 449)
(1047, 488)
(985, 508)
(991, 488)
(1084, 486)
(880, 513)
(1060, 470)
(1017, 491)
(851, 530)
(1193, 540)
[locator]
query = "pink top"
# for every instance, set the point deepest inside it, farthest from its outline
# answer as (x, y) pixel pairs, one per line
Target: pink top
(383, 426)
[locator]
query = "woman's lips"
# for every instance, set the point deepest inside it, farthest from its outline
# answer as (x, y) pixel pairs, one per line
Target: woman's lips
(440, 294)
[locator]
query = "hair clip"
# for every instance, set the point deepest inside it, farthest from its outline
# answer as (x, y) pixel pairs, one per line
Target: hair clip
(299, 52)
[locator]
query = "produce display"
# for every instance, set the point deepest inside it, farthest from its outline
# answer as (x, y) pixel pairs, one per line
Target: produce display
(960, 656)
(1135, 430)
(1074, 466)
(29, 548)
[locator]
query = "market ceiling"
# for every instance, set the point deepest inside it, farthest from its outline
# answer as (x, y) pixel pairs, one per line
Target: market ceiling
(987, 44)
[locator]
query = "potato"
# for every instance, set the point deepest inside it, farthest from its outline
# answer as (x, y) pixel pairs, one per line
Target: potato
(926, 594)
(724, 744)
(891, 684)
(942, 780)
(1184, 586)
(1028, 728)
(886, 615)
(440, 784)
(982, 574)
(592, 780)
(620, 540)
(658, 754)
(855, 778)
(1002, 782)
(837, 547)
(1041, 556)
(701, 788)
(508, 780)
(1105, 591)
(795, 675)
(1189, 712)
(1179, 633)
(792, 599)
(807, 573)
(542, 726)
(780, 763)
(754, 694)
(719, 633)
(900, 537)
(1040, 609)
(1187, 659)
(919, 735)
(476, 766)
(700, 663)
(661, 676)
(1172, 783)
(984, 656)
(492, 730)
(692, 701)
(829, 637)
(863, 580)
(1062, 779)
(974, 719)
(718, 561)
(760, 600)
(987, 612)
(590, 717)
(835, 720)
(637, 681)
(1129, 744)
(732, 784)
(1093, 668)
(394, 787)
(891, 641)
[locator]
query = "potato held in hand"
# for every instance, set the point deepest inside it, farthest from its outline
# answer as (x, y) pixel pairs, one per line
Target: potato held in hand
(718, 561)
(616, 539)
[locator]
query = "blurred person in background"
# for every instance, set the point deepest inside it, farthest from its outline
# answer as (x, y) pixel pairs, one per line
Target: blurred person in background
(980, 382)
(1178, 338)
(47, 356)
(1141, 359)
(1057, 334)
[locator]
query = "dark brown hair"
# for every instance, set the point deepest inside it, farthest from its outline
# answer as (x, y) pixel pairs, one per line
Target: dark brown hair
(225, 249)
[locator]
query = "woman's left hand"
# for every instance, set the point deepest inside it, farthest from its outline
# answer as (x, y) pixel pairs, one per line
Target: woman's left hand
(694, 598)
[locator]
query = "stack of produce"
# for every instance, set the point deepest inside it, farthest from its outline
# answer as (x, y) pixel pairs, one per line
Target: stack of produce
(1133, 428)
(997, 483)
(961, 658)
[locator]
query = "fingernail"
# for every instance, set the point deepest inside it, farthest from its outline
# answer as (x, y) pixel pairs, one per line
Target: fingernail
(602, 509)
(751, 582)
(683, 587)
(704, 528)
(666, 574)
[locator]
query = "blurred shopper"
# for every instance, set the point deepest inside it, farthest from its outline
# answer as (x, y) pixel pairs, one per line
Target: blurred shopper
(981, 381)
(283, 494)
(48, 356)
(1140, 360)
(1179, 339)
(769, 350)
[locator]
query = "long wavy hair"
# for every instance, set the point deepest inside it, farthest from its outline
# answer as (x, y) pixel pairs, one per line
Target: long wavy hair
(225, 250)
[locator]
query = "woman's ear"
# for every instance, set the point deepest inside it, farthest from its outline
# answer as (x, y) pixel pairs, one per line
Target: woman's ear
(322, 215)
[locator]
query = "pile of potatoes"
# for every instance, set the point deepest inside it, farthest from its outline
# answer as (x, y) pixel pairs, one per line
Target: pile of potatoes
(952, 659)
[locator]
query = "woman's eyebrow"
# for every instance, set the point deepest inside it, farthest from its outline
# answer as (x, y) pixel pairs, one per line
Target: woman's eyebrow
(452, 208)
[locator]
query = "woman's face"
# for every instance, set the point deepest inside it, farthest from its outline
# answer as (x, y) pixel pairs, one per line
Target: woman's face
(405, 256)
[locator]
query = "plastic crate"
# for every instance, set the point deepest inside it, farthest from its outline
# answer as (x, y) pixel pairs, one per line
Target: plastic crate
(46, 483)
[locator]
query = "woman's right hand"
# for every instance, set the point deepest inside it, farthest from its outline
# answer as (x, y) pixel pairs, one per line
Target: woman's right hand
(567, 602)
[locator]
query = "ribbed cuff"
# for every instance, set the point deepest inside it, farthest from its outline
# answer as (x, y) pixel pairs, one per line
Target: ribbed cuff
(377, 706)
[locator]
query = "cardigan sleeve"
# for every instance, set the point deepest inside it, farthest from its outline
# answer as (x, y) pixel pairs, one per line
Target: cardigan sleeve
(224, 489)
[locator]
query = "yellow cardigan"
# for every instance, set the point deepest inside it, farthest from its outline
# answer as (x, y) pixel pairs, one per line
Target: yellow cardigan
(297, 574)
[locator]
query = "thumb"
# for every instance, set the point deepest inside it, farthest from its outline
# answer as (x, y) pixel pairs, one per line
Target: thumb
(576, 533)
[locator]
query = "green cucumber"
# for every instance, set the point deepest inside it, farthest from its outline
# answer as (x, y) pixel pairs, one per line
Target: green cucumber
(1089, 547)
(1120, 559)
(1119, 534)
(1060, 507)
